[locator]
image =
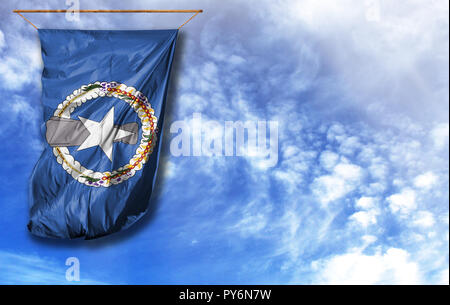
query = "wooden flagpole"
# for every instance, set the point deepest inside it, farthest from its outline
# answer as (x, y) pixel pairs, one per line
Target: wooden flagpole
(196, 12)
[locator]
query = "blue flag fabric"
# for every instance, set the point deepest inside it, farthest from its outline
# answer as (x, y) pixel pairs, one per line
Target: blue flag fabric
(103, 96)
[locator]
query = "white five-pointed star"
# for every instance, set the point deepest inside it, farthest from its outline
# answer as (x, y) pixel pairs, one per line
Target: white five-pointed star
(103, 133)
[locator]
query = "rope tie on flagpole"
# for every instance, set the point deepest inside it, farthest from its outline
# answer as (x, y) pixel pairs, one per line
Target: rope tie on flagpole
(192, 17)
(27, 20)
(196, 12)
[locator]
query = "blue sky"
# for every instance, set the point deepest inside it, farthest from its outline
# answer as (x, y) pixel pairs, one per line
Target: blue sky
(360, 192)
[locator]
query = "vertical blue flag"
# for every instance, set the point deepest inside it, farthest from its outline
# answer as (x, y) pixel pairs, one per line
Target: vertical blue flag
(103, 96)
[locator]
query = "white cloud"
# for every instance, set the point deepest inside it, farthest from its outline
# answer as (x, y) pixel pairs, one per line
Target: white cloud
(364, 218)
(369, 213)
(365, 203)
(440, 135)
(2, 40)
(403, 202)
(368, 239)
(374, 188)
(424, 219)
(254, 218)
(328, 159)
(17, 70)
(350, 172)
(392, 267)
(281, 211)
(426, 180)
(349, 145)
(336, 133)
(169, 169)
(392, 147)
(330, 188)
(344, 179)
(20, 107)
(397, 37)
(290, 151)
(444, 277)
(378, 168)
(21, 120)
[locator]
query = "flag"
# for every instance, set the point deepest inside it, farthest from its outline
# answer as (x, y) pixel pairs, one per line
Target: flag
(103, 97)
